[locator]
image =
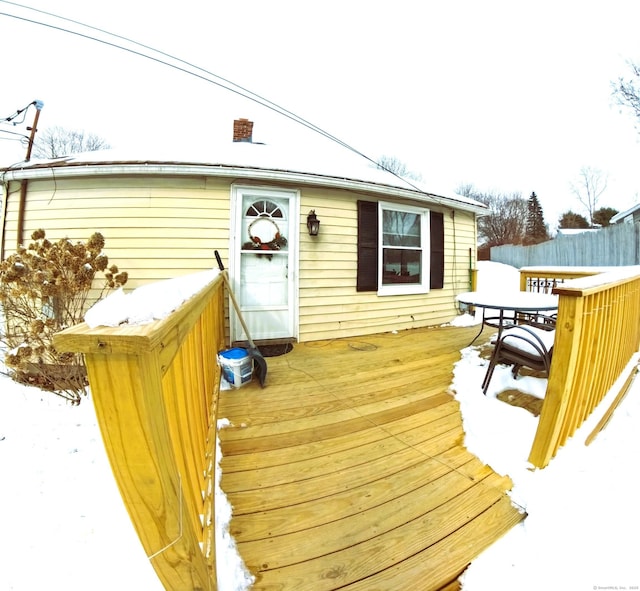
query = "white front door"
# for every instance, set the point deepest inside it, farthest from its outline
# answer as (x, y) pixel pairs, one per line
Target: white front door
(264, 262)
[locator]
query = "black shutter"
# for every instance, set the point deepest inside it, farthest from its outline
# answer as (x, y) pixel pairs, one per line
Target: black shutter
(367, 277)
(436, 278)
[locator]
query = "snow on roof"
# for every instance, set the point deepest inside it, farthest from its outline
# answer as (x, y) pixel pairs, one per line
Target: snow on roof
(330, 161)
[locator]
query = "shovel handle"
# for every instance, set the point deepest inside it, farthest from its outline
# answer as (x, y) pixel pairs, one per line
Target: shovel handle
(220, 265)
(236, 305)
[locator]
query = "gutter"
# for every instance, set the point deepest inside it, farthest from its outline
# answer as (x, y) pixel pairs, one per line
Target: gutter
(69, 170)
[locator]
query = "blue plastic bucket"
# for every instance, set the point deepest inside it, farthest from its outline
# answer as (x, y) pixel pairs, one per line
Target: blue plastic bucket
(237, 366)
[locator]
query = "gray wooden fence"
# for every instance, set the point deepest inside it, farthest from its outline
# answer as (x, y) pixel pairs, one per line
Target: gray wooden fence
(613, 246)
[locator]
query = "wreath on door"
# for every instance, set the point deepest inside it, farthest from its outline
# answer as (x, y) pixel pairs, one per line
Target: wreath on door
(264, 235)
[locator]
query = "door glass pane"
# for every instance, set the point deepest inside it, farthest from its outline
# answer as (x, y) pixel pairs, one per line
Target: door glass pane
(401, 266)
(264, 207)
(400, 228)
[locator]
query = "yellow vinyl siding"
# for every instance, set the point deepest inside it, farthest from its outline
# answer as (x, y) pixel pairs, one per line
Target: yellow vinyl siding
(159, 227)
(154, 228)
(330, 306)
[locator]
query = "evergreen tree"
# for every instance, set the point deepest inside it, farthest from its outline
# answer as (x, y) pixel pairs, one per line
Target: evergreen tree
(536, 229)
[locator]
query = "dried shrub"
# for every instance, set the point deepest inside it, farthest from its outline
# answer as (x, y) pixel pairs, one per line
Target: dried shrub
(45, 288)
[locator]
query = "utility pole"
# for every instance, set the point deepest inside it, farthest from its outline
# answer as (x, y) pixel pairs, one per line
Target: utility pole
(34, 128)
(24, 183)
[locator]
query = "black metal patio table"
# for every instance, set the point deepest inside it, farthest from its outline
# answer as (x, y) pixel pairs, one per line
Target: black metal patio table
(517, 302)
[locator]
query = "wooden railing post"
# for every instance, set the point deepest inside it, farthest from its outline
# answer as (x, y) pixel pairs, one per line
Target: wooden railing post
(155, 389)
(561, 379)
(127, 394)
(597, 336)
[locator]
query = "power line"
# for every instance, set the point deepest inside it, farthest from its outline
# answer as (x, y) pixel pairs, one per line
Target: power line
(245, 92)
(223, 82)
(23, 112)
(20, 136)
(188, 68)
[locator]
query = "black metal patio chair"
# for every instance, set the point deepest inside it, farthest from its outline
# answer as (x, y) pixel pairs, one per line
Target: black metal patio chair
(524, 345)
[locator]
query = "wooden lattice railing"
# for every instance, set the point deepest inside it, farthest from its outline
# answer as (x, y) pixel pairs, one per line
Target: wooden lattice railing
(155, 390)
(597, 336)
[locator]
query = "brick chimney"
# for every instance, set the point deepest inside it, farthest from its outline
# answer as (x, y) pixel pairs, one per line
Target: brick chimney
(242, 130)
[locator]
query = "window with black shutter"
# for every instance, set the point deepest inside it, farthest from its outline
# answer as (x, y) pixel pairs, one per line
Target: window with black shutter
(400, 248)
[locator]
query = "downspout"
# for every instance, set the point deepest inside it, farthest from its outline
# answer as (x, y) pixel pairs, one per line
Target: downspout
(24, 184)
(473, 273)
(3, 218)
(21, 208)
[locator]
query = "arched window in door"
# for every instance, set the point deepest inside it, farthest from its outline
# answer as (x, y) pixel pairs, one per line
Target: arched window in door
(263, 221)
(264, 208)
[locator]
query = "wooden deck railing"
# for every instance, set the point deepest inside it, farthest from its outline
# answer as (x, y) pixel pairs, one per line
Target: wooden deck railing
(155, 390)
(545, 279)
(598, 334)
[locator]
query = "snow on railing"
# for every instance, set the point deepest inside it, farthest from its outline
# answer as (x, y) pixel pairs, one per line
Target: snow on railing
(155, 385)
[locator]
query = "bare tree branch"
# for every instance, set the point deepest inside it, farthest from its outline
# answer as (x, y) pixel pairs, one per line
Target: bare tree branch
(56, 142)
(627, 92)
(393, 164)
(591, 184)
(507, 220)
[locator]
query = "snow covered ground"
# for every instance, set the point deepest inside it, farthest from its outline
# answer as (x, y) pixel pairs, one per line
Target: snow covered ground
(64, 526)
(580, 531)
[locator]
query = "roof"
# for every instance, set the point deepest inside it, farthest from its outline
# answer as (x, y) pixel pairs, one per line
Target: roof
(328, 166)
(623, 214)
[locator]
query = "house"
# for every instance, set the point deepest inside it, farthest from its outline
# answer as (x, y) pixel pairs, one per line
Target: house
(630, 216)
(388, 255)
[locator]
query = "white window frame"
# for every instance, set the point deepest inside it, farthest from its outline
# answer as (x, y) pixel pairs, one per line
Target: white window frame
(405, 288)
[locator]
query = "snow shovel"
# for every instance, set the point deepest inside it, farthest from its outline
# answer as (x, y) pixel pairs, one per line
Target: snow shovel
(260, 362)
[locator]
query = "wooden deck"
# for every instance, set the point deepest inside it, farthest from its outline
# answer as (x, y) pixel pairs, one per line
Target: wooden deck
(347, 471)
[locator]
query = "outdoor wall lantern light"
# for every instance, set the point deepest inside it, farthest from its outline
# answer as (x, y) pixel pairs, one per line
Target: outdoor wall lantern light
(313, 223)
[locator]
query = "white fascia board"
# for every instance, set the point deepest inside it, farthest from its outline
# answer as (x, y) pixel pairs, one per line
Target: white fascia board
(237, 172)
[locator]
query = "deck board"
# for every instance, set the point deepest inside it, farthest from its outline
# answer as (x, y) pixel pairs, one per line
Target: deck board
(402, 427)
(347, 471)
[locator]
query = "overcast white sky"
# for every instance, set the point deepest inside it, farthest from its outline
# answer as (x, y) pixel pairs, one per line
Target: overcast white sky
(508, 96)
